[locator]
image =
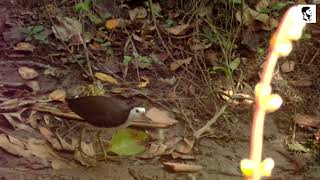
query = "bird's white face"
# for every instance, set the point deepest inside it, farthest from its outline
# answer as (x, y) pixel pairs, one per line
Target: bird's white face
(136, 112)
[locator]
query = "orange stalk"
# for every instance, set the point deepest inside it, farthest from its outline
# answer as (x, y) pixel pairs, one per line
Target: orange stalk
(290, 29)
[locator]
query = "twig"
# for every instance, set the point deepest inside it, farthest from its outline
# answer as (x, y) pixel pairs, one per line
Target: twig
(109, 71)
(199, 132)
(64, 44)
(87, 56)
(56, 112)
(158, 32)
(313, 57)
(27, 63)
(134, 51)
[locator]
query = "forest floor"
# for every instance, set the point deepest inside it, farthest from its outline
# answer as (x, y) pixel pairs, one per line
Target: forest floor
(190, 60)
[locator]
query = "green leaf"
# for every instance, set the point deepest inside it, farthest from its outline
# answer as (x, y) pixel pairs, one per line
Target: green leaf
(128, 142)
(260, 51)
(279, 5)
(110, 52)
(208, 34)
(234, 64)
(156, 9)
(41, 37)
(235, 1)
(95, 19)
(37, 29)
(265, 10)
(144, 61)
(216, 68)
(229, 45)
(27, 31)
(170, 23)
(106, 15)
(127, 60)
(306, 36)
(83, 6)
(99, 40)
(105, 44)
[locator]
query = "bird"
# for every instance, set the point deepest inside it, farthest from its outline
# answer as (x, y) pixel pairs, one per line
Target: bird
(104, 112)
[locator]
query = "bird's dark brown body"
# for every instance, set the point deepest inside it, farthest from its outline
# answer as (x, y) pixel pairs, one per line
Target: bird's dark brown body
(100, 111)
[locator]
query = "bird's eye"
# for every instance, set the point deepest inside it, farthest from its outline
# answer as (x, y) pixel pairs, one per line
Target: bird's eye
(137, 111)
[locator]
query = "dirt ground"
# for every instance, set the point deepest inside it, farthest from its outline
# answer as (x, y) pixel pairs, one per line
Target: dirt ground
(294, 149)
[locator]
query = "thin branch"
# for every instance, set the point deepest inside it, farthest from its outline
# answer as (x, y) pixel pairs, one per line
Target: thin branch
(199, 132)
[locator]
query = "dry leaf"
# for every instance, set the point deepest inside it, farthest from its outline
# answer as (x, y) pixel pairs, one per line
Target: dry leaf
(297, 147)
(23, 46)
(88, 148)
(13, 148)
(95, 46)
(138, 13)
(34, 147)
(179, 29)
(119, 90)
(172, 142)
(147, 28)
(145, 83)
(181, 167)
(250, 15)
(306, 121)
(67, 28)
(58, 95)
(32, 120)
(41, 149)
(17, 125)
(87, 159)
(302, 83)
(262, 4)
(172, 95)
(154, 150)
(113, 23)
(175, 65)
(204, 11)
(34, 85)
(105, 78)
(176, 155)
(169, 81)
(185, 146)
(247, 98)
(160, 116)
(137, 38)
(15, 103)
(212, 57)
(49, 136)
(287, 66)
(27, 73)
(196, 44)
(70, 144)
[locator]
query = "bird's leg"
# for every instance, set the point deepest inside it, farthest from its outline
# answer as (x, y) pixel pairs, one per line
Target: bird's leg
(80, 142)
(101, 144)
(69, 130)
